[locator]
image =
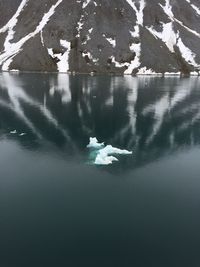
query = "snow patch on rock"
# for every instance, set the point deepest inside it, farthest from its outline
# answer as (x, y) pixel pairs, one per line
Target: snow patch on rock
(112, 41)
(136, 48)
(12, 49)
(187, 54)
(167, 8)
(63, 58)
(146, 71)
(89, 55)
(194, 7)
(86, 3)
(63, 64)
(168, 36)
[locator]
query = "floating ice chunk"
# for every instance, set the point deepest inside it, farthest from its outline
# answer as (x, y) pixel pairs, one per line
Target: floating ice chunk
(13, 132)
(94, 143)
(104, 156)
(22, 134)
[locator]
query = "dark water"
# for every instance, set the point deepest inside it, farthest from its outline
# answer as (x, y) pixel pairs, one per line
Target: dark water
(57, 210)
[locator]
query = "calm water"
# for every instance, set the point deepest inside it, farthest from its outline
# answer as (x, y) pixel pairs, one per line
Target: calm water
(57, 210)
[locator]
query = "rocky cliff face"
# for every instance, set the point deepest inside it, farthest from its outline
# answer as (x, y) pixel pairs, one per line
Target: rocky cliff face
(102, 36)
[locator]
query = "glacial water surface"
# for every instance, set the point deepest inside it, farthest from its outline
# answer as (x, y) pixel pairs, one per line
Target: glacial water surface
(57, 208)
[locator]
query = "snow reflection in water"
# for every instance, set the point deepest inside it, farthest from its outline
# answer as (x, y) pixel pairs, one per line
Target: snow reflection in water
(150, 116)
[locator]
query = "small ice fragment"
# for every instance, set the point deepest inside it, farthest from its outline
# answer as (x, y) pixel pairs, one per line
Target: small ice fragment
(22, 134)
(94, 143)
(104, 158)
(104, 154)
(13, 132)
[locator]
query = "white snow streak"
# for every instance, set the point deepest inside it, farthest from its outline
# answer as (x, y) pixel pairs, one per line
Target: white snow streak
(112, 41)
(186, 53)
(62, 86)
(139, 12)
(16, 94)
(168, 36)
(136, 48)
(13, 21)
(145, 71)
(168, 11)
(41, 37)
(89, 55)
(194, 7)
(63, 59)
(86, 3)
(79, 26)
(14, 48)
(87, 38)
(118, 64)
(63, 64)
(159, 108)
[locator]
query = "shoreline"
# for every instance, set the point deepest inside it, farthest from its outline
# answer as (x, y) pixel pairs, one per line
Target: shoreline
(148, 74)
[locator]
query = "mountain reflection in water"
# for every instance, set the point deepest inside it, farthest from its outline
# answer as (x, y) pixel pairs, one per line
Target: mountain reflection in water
(58, 210)
(150, 116)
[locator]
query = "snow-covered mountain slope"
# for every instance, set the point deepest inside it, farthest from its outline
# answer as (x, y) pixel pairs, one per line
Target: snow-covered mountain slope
(103, 36)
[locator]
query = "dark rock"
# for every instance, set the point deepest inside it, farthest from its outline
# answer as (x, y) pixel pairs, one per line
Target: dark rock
(101, 36)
